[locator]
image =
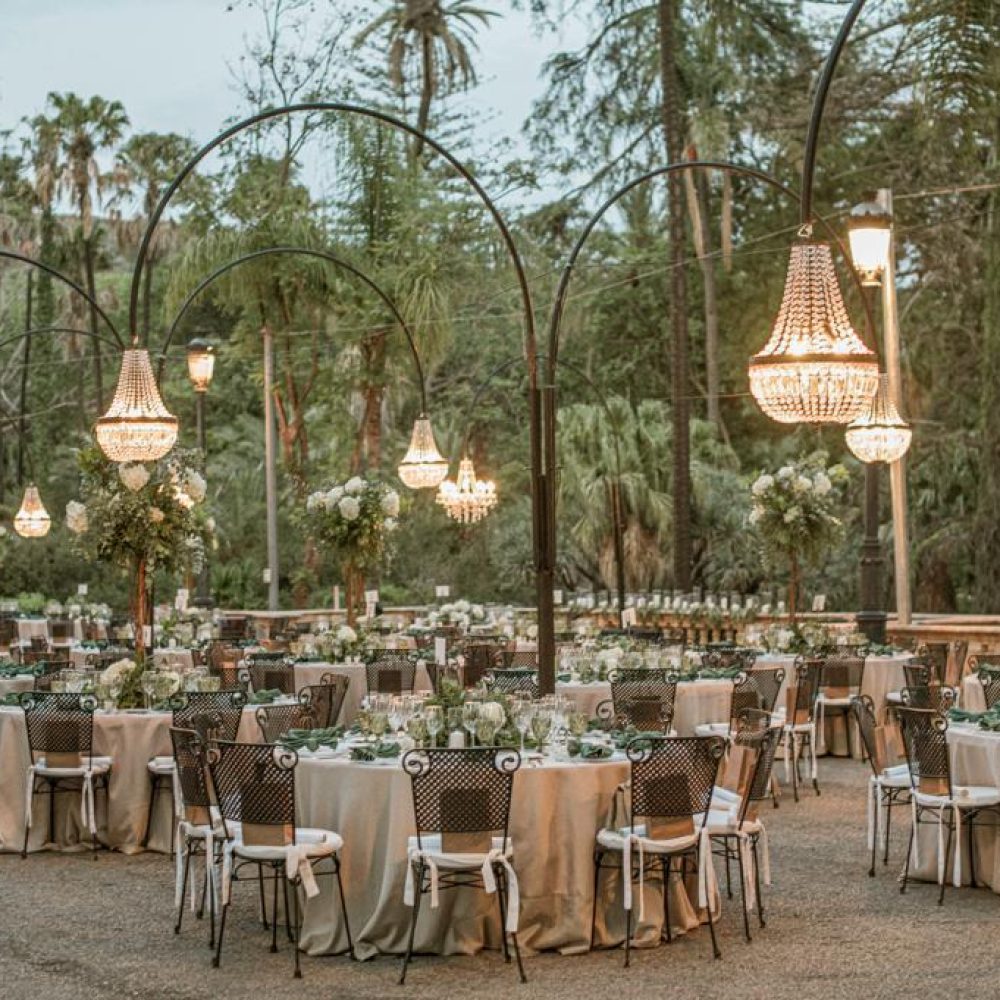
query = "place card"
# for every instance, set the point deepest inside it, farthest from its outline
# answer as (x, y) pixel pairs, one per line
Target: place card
(819, 602)
(81, 590)
(628, 617)
(440, 650)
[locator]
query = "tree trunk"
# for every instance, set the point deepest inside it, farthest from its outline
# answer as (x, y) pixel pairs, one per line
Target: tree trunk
(673, 131)
(88, 262)
(426, 92)
(23, 405)
(710, 289)
(354, 585)
(140, 610)
(793, 586)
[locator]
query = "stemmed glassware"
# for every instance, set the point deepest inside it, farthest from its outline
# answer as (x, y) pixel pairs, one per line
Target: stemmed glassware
(470, 713)
(541, 725)
(434, 721)
(522, 712)
(148, 687)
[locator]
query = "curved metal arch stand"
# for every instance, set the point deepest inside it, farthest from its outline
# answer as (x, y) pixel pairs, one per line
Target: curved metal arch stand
(70, 283)
(24, 334)
(305, 252)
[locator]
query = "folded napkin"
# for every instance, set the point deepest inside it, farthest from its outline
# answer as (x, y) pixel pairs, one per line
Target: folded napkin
(622, 737)
(383, 750)
(963, 715)
(595, 751)
(266, 696)
(311, 739)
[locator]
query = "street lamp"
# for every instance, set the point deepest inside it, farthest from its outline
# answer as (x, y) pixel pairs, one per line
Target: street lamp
(32, 520)
(423, 466)
(869, 232)
(201, 368)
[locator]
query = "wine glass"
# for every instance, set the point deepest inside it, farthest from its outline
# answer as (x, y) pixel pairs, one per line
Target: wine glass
(434, 721)
(379, 723)
(541, 726)
(577, 722)
(454, 720)
(148, 687)
(470, 713)
(522, 713)
(486, 730)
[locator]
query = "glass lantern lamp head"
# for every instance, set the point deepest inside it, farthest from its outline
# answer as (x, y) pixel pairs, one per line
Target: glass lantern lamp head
(869, 232)
(423, 467)
(32, 520)
(201, 363)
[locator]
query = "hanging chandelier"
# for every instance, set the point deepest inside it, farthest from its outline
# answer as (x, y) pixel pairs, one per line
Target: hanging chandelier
(423, 466)
(468, 499)
(137, 426)
(814, 369)
(880, 434)
(32, 520)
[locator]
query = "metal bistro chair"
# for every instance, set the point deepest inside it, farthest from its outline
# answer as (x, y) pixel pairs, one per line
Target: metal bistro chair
(935, 697)
(989, 679)
(516, 659)
(515, 681)
(274, 721)
(255, 787)
(643, 697)
(934, 792)
(202, 831)
(756, 690)
(461, 806)
(671, 784)
(215, 715)
(799, 731)
(888, 785)
(326, 698)
(734, 823)
(479, 660)
(842, 680)
(270, 671)
(731, 658)
(60, 730)
(392, 672)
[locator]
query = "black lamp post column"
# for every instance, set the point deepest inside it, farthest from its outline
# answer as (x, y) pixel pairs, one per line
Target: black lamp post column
(871, 619)
(201, 368)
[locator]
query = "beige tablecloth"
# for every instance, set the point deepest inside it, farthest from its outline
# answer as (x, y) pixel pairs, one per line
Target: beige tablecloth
(972, 697)
(557, 810)
(15, 685)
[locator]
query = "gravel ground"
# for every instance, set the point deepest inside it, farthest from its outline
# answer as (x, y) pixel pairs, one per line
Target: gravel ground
(76, 928)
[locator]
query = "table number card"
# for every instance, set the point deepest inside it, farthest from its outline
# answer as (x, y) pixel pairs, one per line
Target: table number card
(819, 602)
(442, 590)
(81, 590)
(371, 600)
(181, 600)
(440, 650)
(557, 597)
(628, 618)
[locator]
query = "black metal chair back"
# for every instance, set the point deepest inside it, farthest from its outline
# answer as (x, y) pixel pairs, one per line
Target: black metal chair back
(462, 791)
(392, 673)
(515, 681)
(234, 628)
(274, 721)
(270, 672)
(673, 776)
(8, 632)
(213, 715)
(843, 676)
(757, 690)
(192, 776)
(48, 669)
(808, 674)
(754, 730)
(479, 659)
(864, 714)
(59, 725)
(254, 784)
(935, 656)
(62, 630)
(517, 659)
(989, 678)
(916, 674)
(644, 697)
(936, 698)
(326, 698)
(926, 745)
(729, 658)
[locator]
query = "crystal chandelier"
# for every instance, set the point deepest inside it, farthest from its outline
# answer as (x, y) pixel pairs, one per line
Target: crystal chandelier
(468, 499)
(814, 369)
(423, 467)
(32, 520)
(880, 434)
(137, 426)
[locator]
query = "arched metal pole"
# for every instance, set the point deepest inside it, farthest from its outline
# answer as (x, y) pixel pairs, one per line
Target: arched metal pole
(307, 252)
(70, 283)
(14, 338)
(544, 571)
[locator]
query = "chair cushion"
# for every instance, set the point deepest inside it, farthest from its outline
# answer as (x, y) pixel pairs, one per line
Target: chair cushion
(161, 766)
(965, 797)
(727, 822)
(897, 776)
(614, 840)
(712, 729)
(97, 765)
(834, 702)
(894, 697)
(316, 843)
(430, 847)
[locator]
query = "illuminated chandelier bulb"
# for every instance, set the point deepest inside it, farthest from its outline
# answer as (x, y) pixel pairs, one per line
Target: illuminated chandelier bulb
(32, 520)
(423, 466)
(880, 434)
(467, 499)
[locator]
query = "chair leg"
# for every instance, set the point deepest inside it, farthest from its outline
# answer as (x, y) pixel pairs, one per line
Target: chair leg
(184, 886)
(296, 919)
(153, 791)
(889, 803)
(343, 907)
(874, 821)
(218, 941)
(502, 891)
(666, 900)
(795, 766)
(263, 898)
(413, 923)
(210, 889)
(756, 876)
(628, 931)
(501, 903)
(288, 919)
(743, 890)
(947, 851)
(27, 829)
(593, 912)
(711, 929)
(972, 853)
(812, 760)
(274, 912)
(909, 851)
(729, 881)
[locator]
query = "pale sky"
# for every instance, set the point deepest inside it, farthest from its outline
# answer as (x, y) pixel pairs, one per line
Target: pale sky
(167, 61)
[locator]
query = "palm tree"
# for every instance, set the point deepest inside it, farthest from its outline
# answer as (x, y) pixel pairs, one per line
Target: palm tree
(431, 40)
(85, 129)
(145, 165)
(42, 149)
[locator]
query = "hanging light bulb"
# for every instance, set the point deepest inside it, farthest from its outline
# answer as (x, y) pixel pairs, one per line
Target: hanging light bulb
(201, 363)
(468, 499)
(32, 520)
(137, 426)
(814, 369)
(423, 466)
(869, 231)
(880, 434)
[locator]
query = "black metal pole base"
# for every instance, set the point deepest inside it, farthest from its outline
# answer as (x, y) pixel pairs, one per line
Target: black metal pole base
(872, 624)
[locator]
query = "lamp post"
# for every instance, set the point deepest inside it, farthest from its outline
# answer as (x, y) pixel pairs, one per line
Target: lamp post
(201, 368)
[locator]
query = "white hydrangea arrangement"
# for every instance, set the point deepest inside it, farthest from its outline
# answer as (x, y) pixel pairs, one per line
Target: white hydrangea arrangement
(794, 513)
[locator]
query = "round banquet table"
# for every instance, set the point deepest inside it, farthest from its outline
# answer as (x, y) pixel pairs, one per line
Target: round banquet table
(130, 739)
(16, 685)
(312, 673)
(975, 760)
(973, 699)
(556, 812)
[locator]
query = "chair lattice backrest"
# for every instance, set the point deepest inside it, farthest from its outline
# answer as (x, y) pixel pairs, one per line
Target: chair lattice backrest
(515, 681)
(189, 759)
(864, 714)
(731, 658)
(62, 630)
(753, 729)
(479, 659)
(326, 698)
(393, 672)
(8, 632)
(59, 724)
(517, 659)
(49, 669)
(808, 674)
(757, 690)
(462, 791)
(935, 697)
(673, 776)
(935, 656)
(214, 715)
(916, 674)
(270, 672)
(989, 678)
(843, 675)
(926, 744)
(233, 629)
(254, 784)
(274, 721)
(644, 697)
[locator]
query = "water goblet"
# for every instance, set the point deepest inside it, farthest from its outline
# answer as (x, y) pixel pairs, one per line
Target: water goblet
(470, 713)
(434, 721)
